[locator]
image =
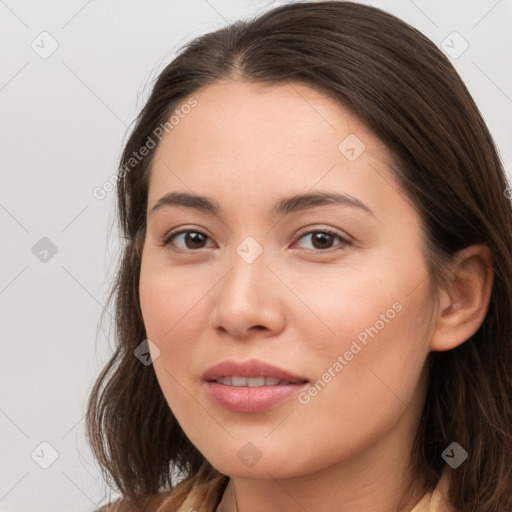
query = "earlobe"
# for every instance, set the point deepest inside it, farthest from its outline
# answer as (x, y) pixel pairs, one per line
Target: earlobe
(464, 304)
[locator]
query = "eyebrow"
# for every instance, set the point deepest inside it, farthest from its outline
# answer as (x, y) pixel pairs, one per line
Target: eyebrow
(286, 205)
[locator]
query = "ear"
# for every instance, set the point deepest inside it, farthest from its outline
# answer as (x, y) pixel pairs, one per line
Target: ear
(464, 304)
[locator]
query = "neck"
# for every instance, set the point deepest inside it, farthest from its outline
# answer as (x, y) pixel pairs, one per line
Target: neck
(378, 479)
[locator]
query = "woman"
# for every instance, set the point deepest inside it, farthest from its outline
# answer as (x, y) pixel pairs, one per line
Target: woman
(317, 265)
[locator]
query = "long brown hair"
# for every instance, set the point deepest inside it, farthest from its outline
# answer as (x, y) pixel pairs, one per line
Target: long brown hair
(403, 87)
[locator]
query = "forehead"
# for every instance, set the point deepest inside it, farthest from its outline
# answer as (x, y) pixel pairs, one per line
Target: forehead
(253, 144)
(271, 116)
(263, 128)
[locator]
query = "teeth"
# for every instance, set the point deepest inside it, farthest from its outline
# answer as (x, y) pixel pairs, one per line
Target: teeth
(239, 381)
(251, 382)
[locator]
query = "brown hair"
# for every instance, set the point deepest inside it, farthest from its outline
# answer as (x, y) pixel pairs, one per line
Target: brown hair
(403, 88)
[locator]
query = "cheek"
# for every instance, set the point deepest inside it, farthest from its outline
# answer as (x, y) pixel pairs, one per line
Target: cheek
(371, 343)
(172, 305)
(167, 302)
(351, 305)
(164, 311)
(375, 377)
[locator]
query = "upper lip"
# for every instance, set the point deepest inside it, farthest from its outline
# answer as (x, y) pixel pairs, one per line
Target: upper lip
(249, 369)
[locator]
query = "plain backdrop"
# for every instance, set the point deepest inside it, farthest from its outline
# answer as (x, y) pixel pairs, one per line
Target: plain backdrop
(74, 74)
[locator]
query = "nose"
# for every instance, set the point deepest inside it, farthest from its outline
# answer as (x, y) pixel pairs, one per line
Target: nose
(248, 299)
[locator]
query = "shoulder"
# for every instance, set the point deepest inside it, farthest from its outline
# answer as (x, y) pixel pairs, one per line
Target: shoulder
(193, 493)
(437, 499)
(199, 494)
(152, 504)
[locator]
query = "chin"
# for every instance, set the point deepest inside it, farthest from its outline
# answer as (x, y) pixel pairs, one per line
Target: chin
(243, 462)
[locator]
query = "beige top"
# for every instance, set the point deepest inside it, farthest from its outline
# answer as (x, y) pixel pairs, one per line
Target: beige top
(190, 496)
(436, 501)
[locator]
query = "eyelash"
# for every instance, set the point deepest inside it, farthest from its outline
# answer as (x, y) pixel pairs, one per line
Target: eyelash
(167, 240)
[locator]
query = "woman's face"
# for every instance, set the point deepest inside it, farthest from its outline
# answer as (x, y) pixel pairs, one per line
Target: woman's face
(347, 311)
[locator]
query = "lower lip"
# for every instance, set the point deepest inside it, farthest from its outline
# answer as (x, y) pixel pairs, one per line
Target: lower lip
(252, 399)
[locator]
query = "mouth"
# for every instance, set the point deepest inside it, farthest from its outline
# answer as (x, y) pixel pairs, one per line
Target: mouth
(251, 386)
(251, 373)
(253, 382)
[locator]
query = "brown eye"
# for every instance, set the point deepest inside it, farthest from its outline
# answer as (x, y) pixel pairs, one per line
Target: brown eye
(192, 239)
(322, 239)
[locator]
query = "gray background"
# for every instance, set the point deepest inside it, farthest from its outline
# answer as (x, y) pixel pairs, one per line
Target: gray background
(65, 117)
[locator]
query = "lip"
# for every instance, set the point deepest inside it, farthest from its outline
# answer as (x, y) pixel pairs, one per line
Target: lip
(248, 369)
(245, 399)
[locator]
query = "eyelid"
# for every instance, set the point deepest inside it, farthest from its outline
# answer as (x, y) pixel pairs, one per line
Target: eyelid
(320, 228)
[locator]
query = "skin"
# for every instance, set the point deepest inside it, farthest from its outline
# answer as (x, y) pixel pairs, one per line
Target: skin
(296, 306)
